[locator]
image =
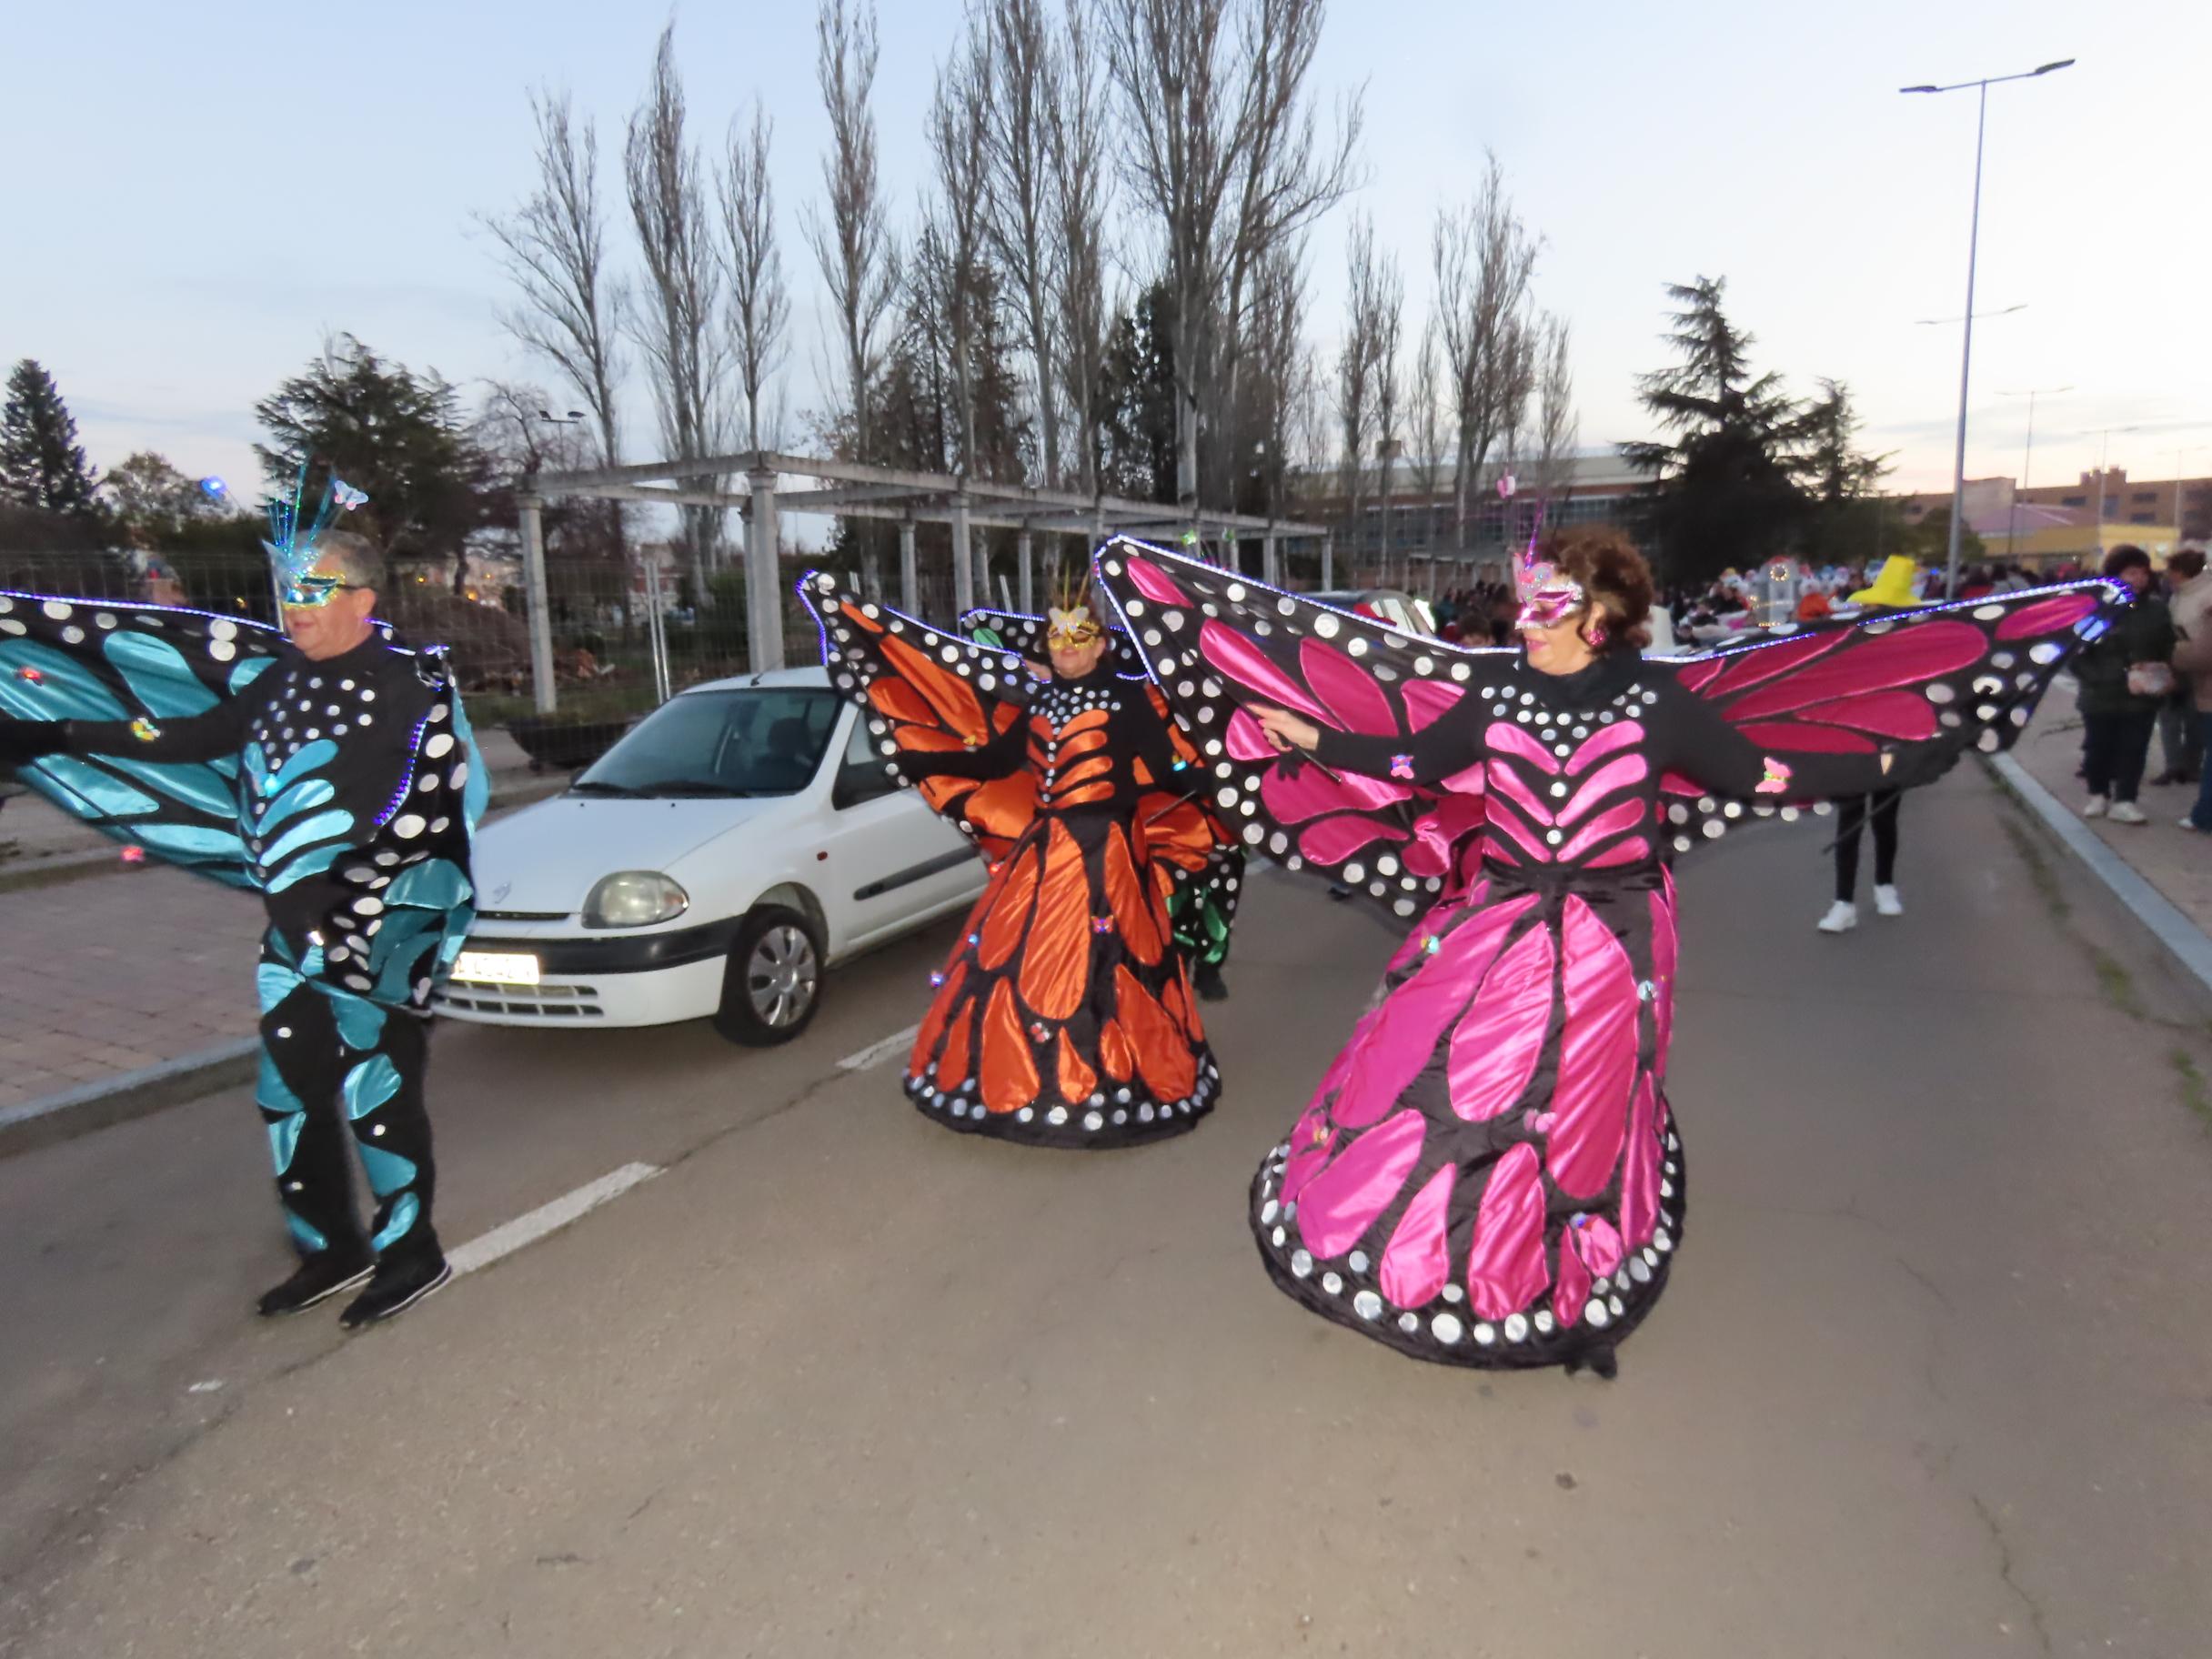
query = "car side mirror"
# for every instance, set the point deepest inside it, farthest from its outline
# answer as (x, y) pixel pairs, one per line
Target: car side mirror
(861, 780)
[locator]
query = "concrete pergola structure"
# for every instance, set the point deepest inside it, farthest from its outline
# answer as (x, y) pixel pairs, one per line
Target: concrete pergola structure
(848, 490)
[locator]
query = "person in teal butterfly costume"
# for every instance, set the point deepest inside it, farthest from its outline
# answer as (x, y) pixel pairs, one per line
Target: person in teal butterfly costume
(331, 769)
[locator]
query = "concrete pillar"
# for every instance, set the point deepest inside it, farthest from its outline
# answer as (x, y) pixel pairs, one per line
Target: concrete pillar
(763, 580)
(1270, 572)
(1328, 561)
(1025, 556)
(963, 560)
(910, 580)
(540, 602)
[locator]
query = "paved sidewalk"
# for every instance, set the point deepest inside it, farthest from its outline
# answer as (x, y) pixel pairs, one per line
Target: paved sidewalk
(107, 976)
(128, 968)
(2177, 861)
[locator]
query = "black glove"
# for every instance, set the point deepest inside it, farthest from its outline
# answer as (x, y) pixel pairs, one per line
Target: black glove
(27, 740)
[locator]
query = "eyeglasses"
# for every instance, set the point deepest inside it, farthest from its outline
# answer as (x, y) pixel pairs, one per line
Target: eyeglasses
(313, 592)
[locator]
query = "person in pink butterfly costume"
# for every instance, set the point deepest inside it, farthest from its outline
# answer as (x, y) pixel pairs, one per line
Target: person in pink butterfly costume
(1490, 1172)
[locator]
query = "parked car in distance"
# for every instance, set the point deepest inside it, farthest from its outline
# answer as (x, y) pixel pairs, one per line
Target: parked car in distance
(733, 844)
(1399, 609)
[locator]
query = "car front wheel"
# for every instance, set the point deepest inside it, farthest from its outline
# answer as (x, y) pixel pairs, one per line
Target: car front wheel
(772, 984)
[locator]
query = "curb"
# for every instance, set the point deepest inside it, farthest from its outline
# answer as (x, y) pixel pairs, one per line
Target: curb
(2183, 940)
(132, 1094)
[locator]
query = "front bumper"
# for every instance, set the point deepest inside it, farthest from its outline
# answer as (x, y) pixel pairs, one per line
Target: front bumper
(600, 979)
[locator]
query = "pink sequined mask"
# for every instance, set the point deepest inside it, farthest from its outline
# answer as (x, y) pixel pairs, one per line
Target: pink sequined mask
(1547, 598)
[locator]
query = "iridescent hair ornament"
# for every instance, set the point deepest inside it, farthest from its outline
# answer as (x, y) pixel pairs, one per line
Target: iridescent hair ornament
(1547, 596)
(295, 535)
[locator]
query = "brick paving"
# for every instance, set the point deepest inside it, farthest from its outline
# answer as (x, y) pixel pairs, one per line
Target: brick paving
(2177, 861)
(111, 974)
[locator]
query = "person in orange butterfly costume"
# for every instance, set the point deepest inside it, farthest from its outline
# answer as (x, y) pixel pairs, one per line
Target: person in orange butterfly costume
(1064, 1014)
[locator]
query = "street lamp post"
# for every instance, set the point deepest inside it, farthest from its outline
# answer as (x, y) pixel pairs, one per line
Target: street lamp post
(2181, 458)
(1973, 236)
(2027, 461)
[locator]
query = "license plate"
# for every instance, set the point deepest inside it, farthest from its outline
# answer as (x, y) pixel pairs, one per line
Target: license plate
(496, 968)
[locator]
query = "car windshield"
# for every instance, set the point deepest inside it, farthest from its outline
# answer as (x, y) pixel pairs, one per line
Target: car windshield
(1399, 610)
(758, 741)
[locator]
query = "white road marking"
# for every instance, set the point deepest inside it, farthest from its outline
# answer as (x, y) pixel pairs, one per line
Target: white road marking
(876, 1053)
(512, 1236)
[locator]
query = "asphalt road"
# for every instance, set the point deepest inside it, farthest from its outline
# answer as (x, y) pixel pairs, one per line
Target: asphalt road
(1932, 1377)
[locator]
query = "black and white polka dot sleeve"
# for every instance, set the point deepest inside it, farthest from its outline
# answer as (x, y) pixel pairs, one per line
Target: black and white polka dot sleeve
(219, 732)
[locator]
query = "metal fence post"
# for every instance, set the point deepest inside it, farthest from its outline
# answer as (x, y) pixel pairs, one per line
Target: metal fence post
(763, 580)
(910, 579)
(1269, 573)
(1025, 554)
(1328, 563)
(540, 602)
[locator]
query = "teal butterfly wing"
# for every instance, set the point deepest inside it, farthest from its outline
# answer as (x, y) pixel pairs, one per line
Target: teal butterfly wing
(90, 661)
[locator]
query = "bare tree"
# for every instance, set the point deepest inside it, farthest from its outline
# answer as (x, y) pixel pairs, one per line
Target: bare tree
(759, 304)
(1386, 306)
(1076, 115)
(1355, 367)
(1516, 380)
(852, 244)
(675, 322)
(1556, 427)
(570, 306)
(959, 129)
(1281, 368)
(1426, 420)
(1222, 151)
(1018, 215)
(554, 250)
(1482, 257)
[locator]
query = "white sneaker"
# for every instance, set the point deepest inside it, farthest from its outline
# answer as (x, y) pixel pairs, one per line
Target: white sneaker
(1842, 917)
(2096, 807)
(1886, 902)
(2127, 812)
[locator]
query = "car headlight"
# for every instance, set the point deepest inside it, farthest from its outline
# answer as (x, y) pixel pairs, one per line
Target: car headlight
(635, 898)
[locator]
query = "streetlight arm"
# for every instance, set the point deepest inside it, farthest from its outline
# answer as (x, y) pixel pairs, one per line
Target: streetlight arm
(1995, 80)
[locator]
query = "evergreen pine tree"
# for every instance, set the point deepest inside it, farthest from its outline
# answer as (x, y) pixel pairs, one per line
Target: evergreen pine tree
(1724, 492)
(42, 465)
(1846, 522)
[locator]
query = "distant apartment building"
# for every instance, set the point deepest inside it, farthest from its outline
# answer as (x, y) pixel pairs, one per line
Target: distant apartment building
(2047, 524)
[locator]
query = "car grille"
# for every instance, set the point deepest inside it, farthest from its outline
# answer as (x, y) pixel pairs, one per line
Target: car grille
(548, 1003)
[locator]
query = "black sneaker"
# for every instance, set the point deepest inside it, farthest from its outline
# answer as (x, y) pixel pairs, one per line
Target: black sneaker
(1208, 984)
(320, 1277)
(395, 1289)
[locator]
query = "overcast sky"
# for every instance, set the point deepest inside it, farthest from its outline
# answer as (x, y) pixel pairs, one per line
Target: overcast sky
(194, 195)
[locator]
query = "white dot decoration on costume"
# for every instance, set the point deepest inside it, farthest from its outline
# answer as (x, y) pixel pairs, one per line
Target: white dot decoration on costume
(1366, 1304)
(408, 826)
(1447, 1329)
(1302, 1263)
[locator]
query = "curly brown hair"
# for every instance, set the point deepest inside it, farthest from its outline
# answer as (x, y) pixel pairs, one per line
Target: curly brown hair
(1612, 572)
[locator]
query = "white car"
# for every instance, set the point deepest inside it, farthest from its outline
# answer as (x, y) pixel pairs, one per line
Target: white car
(738, 840)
